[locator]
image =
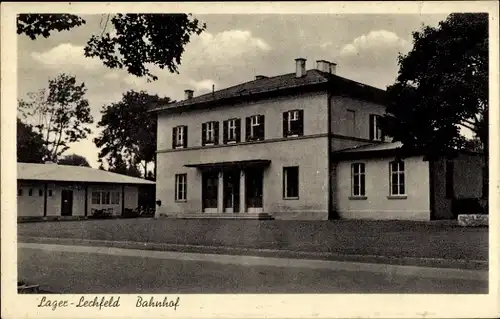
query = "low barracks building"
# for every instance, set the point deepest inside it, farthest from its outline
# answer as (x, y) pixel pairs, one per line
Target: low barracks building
(267, 149)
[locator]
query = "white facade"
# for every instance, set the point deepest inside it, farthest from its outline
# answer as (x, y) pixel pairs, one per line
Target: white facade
(377, 202)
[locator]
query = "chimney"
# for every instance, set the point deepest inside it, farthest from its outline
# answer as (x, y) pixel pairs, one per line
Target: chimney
(188, 94)
(300, 67)
(323, 66)
(333, 68)
(260, 77)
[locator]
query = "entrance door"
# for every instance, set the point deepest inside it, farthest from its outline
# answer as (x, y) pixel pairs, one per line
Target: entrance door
(210, 183)
(231, 191)
(66, 202)
(254, 190)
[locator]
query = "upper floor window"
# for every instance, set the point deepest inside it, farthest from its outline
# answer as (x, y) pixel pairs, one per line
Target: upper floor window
(375, 132)
(255, 128)
(358, 179)
(179, 137)
(397, 178)
(232, 131)
(350, 123)
(210, 133)
(293, 123)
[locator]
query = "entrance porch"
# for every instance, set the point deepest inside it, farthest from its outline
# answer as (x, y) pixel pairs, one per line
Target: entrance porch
(232, 189)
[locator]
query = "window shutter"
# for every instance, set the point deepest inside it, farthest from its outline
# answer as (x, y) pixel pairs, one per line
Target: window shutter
(185, 136)
(216, 133)
(174, 135)
(372, 126)
(203, 134)
(262, 125)
(285, 124)
(247, 128)
(224, 135)
(301, 122)
(238, 130)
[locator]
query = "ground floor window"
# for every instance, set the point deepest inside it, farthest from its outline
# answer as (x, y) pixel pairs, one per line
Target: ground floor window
(105, 198)
(20, 192)
(397, 176)
(358, 179)
(115, 198)
(180, 187)
(291, 182)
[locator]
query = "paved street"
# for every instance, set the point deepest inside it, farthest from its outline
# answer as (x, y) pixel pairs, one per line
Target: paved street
(349, 237)
(96, 270)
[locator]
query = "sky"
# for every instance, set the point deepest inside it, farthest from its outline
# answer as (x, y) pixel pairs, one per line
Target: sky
(233, 49)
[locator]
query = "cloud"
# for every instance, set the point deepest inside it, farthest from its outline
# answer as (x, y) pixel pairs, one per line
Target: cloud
(66, 56)
(374, 42)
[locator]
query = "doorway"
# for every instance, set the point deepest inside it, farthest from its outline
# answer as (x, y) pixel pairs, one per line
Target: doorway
(209, 191)
(254, 190)
(66, 202)
(231, 191)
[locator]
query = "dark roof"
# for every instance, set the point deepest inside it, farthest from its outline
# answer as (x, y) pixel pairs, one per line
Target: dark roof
(287, 83)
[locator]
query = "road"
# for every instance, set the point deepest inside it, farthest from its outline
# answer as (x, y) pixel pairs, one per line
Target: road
(73, 270)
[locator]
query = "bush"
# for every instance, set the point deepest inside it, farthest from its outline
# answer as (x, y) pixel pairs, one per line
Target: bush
(467, 206)
(101, 213)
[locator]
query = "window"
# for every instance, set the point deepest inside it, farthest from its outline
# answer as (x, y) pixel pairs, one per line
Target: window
(358, 179)
(210, 133)
(115, 198)
(179, 137)
(450, 192)
(19, 192)
(232, 131)
(30, 192)
(350, 123)
(293, 123)
(291, 182)
(40, 192)
(397, 176)
(255, 128)
(375, 132)
(96, 198)
(104, 198)
(180, 187)
(50, 193)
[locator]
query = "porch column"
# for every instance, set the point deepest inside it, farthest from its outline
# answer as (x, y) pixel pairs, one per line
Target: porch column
(86, 200)
(242, 192)
(220, 193)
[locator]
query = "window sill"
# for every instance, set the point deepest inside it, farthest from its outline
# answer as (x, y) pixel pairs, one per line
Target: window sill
(397, 197)
(231, 142)
(291, 198)
(178, 147)
(358, 197)
(181, 200)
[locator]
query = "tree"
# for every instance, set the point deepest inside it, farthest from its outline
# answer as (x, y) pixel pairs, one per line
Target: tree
(121, 166)
(129, 130)
(139, 40)
(59, 114)
(30, 145)
(442, 86)
(74, 160)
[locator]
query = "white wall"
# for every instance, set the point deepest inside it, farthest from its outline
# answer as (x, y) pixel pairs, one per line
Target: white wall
(33, 205)
(309, 154)
(377, 205)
